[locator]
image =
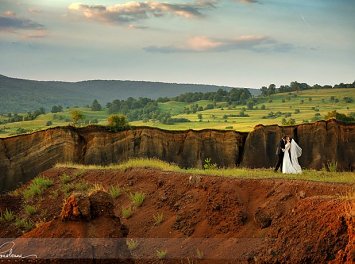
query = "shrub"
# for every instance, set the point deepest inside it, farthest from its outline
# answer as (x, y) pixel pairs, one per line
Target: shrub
(7, 216)
(76, 116)
(137, 198)
(115, 191)
(158, 218)
(297, 111)
(49, 123)
(117, 122)
(127, 212)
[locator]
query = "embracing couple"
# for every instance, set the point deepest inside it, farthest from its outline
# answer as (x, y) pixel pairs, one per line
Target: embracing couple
(288, 153)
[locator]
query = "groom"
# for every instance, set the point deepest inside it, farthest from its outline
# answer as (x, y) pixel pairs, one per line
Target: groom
(280, 153)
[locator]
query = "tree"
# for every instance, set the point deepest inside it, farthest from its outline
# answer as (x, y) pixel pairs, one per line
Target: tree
(117, 122)
(199, 116)
(272, 89)
(95, 106)
(76, 115)
(264, 91)
(57, 108)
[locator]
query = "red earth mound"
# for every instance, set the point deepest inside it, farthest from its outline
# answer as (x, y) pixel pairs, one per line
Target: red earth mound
(205, 219)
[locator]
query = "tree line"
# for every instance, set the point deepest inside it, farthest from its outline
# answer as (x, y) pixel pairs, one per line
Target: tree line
(296, 86)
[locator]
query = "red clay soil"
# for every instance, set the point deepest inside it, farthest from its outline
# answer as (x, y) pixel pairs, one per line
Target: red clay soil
(209, 219)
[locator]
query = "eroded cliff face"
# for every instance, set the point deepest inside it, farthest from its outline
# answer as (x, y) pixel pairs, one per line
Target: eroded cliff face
(23, 157)
(321, 142)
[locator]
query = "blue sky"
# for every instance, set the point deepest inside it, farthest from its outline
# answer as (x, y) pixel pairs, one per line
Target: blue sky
(243, 43)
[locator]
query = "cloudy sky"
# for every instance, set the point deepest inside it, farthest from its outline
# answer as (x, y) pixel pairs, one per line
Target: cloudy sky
(244, 43)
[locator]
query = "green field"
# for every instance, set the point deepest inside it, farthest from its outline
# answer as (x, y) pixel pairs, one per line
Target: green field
(215, 118)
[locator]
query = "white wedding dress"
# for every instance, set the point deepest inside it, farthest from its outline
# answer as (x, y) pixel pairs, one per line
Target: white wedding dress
(292, 165)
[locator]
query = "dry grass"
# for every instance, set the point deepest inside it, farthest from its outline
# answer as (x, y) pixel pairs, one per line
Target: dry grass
(308, 175)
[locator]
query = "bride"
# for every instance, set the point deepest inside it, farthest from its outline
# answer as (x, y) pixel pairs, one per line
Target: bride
(290, 164)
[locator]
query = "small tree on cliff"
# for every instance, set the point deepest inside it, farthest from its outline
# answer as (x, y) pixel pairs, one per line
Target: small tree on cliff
(117, 122)
(76, 116)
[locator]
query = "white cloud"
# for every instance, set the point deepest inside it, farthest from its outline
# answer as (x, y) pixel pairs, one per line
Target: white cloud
(207, 44)
(133, 11)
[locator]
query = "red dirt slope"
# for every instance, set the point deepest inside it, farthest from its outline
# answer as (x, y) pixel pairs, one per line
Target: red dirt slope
(209, 219)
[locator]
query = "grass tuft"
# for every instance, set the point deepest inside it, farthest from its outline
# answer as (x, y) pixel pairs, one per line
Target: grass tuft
(132, 244)
(7, 216)
(115, 191)
(158, 218)
(37, 187)
(30, 210)
(161, 253)
(65, 178)
(24, 224)
(137, 198)
(127, 212)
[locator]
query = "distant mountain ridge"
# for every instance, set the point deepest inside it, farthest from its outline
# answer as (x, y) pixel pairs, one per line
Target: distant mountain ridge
(21, 95)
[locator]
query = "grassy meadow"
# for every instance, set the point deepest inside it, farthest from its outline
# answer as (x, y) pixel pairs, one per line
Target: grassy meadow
(315, 102)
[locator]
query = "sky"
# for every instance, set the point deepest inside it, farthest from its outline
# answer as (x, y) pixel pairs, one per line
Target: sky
(239, 43)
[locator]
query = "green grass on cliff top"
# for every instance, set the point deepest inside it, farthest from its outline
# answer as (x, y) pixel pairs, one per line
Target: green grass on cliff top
(239, 173)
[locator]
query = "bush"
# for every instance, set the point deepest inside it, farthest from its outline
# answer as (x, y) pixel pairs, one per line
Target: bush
(76, 116)
(49, 123)
(117, 122)
(297, 111)
(339, 116)
(288, 122)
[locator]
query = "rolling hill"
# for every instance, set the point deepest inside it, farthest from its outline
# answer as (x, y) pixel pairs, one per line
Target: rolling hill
(20, 95)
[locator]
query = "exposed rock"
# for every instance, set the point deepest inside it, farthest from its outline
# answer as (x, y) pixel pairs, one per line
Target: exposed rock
(101, 203)
(262, 218)
(25, 156)
(76, 207)
(302, 195)
(321, 142)
(98, 239)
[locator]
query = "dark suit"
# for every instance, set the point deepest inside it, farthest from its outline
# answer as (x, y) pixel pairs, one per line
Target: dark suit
(280, 154)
